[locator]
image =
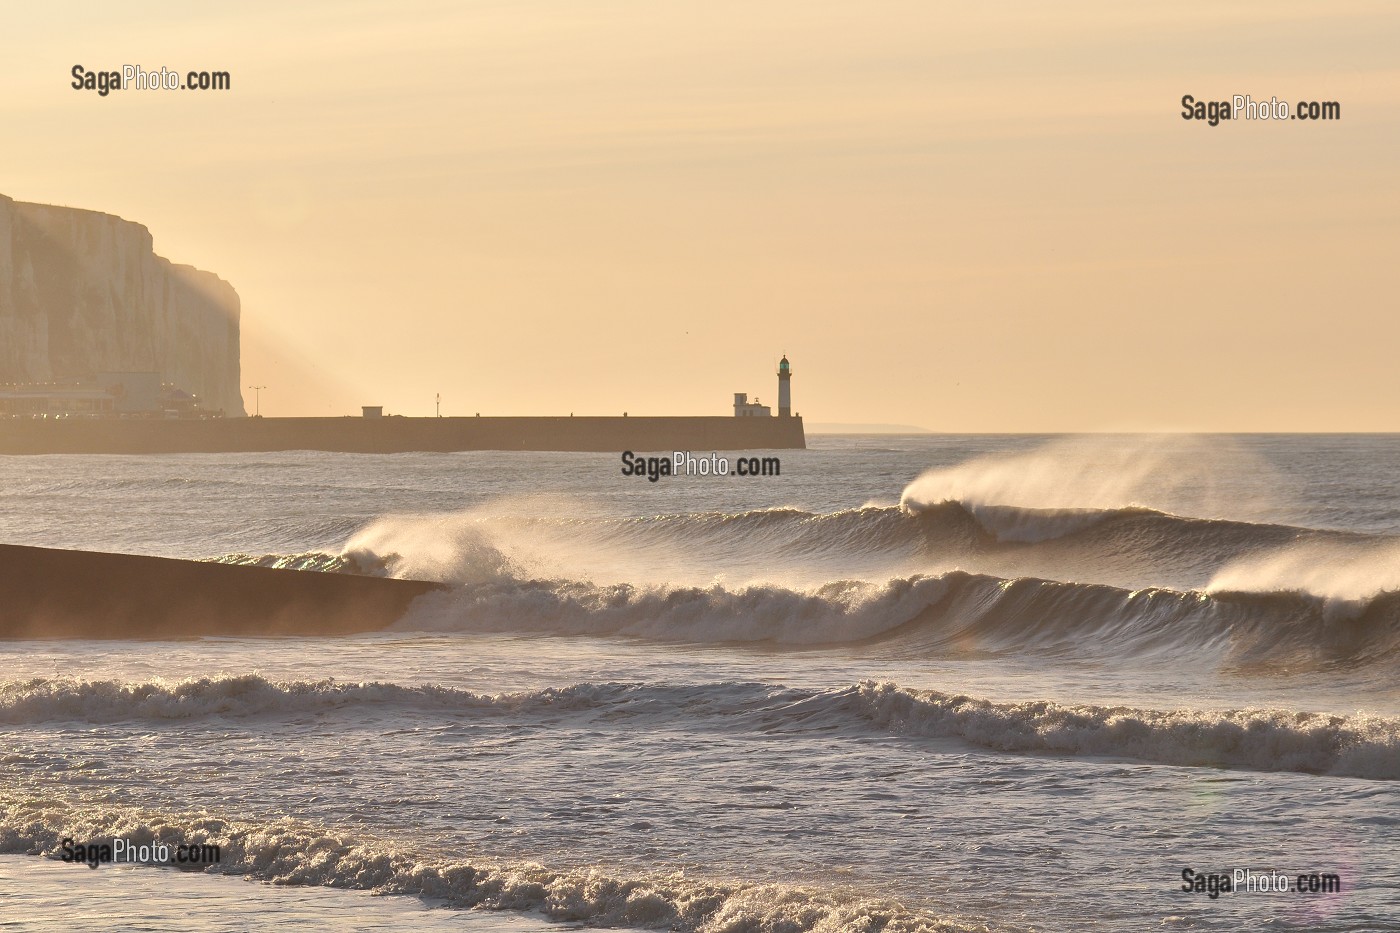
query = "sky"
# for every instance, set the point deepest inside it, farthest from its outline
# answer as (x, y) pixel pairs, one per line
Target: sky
(968, 217)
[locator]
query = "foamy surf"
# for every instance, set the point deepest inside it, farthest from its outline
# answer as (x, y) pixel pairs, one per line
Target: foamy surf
(288, 852)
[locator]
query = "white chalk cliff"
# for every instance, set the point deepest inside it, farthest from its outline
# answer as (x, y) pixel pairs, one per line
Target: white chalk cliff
(83, 292)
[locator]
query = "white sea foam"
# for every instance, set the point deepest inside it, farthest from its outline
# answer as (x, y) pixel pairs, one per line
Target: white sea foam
(293, 853)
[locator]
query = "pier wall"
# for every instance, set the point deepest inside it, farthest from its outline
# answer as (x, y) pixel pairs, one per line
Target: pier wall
(399, 435)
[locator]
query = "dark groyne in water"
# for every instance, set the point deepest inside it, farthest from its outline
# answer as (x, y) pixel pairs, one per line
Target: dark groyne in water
(47, 593)
(398, 435)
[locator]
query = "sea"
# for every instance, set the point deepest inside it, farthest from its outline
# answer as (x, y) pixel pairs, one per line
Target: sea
(909, 683)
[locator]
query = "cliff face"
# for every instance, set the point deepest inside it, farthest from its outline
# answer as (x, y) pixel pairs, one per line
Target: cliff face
(83, 292)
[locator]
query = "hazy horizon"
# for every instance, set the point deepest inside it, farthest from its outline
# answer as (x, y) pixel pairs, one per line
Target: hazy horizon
(964, 219)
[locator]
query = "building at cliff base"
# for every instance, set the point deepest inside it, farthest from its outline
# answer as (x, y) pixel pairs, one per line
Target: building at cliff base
(106, 395)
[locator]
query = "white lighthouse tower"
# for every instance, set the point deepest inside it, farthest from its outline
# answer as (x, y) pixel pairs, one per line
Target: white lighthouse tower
(784, 389)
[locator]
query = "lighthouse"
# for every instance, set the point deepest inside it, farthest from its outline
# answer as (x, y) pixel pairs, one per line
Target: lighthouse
(784, 389)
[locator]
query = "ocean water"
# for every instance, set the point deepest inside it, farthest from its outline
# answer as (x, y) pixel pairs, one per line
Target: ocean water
(913, 683)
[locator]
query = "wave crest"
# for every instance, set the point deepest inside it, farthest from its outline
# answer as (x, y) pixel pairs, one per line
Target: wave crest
(1269, 740)
(941, 616)
(101, 701)
(1131, 546)
(1358, 745)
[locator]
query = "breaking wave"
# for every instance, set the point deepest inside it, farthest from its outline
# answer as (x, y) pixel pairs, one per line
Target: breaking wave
(1359, 745)
(1130, 546)
(1230, 623)
(934, 576)
(292, 853)
(482, 545)
(247, 695)
(946, 615)
(1269, 740)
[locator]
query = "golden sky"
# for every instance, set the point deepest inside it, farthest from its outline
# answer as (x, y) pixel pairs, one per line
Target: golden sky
(971, 217)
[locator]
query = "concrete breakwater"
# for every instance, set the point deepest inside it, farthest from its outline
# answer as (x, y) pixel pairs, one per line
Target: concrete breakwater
(398, 434)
